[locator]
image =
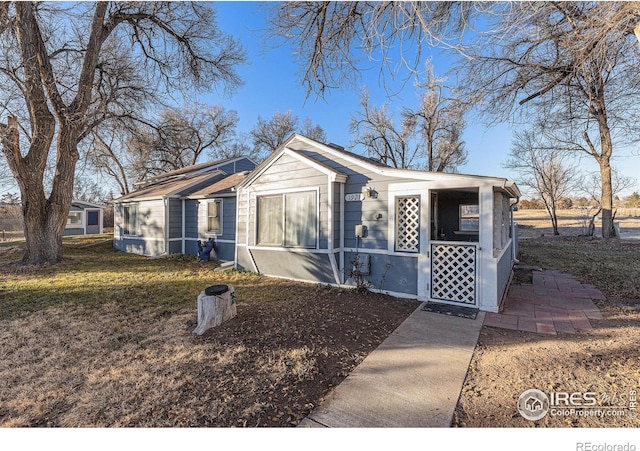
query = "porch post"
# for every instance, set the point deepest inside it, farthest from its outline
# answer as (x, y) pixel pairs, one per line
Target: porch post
(487, 275)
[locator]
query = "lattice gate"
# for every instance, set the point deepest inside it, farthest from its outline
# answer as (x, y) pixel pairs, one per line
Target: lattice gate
(454, 272)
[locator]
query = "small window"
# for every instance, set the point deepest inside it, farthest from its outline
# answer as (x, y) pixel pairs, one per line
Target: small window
(469, 218)
(74, 219)
(93, 218)
(408, 224)
(130, 219)
(214, 217)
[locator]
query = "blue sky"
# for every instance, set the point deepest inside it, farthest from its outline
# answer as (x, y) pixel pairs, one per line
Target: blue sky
(272, 83)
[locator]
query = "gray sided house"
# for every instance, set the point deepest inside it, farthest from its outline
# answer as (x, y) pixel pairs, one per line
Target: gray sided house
(315, 212)
(85, 218)
(170, 213)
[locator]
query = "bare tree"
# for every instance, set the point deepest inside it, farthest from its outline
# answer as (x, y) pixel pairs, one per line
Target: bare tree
(591, 186)
(440, 120)
(184, 135)
(56, 68)
(572, 63)
(375, 129)
(575, 64)
(543, 168)
(269, 134)
(327, 34)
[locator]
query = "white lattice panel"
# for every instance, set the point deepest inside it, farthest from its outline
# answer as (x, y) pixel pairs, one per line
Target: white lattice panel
(408, 224)
(453, 273)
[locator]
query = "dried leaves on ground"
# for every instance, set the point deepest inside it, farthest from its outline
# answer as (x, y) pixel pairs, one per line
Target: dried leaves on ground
(105, 339)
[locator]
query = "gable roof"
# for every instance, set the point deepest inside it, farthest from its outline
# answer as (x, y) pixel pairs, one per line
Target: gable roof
(83, 204)
(201, 179)
(220, 187)
(302, 145)
(173, 186)
(193, 169)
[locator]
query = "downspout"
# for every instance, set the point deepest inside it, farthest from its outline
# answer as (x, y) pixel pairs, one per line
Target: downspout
(166, 224)
(512, 206)
(341, 263)
(183, 226)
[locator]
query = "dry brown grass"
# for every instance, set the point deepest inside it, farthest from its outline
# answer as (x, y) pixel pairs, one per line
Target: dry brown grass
(603, 360)
(105, 339)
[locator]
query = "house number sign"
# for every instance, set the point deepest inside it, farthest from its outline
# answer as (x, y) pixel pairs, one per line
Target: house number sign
(356, 197)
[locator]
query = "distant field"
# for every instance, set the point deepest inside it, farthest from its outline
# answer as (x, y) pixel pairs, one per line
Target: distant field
(534, 223)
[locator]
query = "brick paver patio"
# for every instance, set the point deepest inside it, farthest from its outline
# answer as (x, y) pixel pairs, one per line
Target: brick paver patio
(554, 302)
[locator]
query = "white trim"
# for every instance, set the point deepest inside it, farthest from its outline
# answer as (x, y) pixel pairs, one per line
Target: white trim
(330, 173)
(283, 192)
(184, 226)
(330, 195)
(362, 250)
(505, 184)
(220, 215)
(81, 224)
(139, 238)
(199, 239)
(302, 250)
(395, 294)
(334, 267)
(342, 201)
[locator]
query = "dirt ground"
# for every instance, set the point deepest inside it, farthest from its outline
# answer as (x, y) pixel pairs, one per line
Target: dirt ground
(104, 339)
(602, 362)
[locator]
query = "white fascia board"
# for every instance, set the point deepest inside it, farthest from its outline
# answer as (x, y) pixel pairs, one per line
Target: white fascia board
(404, 173)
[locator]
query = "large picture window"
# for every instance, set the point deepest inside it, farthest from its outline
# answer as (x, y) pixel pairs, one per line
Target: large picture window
(130, 214)
(214, 217)
(289, 220)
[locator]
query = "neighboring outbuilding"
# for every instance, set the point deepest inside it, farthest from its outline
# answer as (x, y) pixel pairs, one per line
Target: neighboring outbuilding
(171, 212)
(315, 212)
(85, 218)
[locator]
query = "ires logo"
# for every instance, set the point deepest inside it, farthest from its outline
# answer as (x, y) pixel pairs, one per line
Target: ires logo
(577, 399)
(534, 404)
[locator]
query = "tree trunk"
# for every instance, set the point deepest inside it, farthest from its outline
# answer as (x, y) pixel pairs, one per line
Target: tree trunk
(607, 199)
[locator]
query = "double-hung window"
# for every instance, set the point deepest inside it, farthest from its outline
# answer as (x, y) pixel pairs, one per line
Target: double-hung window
(289, 220)
(130, 213)
(214, 217)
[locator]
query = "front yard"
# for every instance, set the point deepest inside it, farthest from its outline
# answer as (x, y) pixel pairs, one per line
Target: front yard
(105, 339)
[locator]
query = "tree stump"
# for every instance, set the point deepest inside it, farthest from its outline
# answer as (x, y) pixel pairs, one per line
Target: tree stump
(216, 305)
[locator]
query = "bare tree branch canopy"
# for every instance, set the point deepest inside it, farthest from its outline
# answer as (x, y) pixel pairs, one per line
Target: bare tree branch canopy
(269, 134)
(544, 169)
(429, 137)
(573, 63)
(332, 38)
(375, 130)
(69, 68)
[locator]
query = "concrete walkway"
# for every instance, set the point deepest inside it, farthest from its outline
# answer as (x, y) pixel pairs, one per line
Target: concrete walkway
(413, 379)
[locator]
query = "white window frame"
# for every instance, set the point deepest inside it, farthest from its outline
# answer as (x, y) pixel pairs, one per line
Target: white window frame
(463, 216)
(125, 228)
(75, 225)
(282, 194)
(220, 216)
